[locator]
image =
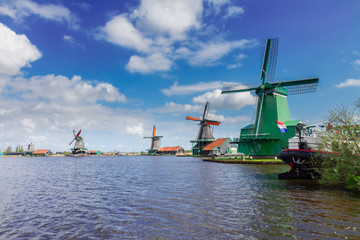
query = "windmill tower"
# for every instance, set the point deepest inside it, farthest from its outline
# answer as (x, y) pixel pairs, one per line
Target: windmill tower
(262, 137)
(205, 135)
(155, 143)
(79, 147)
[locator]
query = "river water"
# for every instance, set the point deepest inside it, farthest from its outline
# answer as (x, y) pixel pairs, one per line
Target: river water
(166, 198)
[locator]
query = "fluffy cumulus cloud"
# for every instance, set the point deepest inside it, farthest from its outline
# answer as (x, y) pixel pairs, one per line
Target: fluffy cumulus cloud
(63, 90)
(20, 9)
(168, 31)
(349, 83)
(16, 51)
(148, 64)
(233, 101)
(212, 94)
(173, 18)
(45, 109)
(122, 32)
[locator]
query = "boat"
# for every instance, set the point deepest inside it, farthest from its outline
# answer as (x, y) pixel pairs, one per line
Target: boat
(302, 153)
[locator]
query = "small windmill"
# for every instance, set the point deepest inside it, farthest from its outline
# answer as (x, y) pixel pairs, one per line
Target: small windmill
(262, 137)
(79, 147)
(205, 135)
(155, 143)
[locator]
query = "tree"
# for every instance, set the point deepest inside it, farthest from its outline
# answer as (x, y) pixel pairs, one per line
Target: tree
(19, 148)
(342, 167)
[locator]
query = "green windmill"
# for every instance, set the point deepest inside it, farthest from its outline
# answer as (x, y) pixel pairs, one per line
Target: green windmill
(262, 137)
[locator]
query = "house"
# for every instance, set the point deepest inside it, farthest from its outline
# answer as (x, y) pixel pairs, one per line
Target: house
(219, 146)
(171, 150)
(42, 152)
(95, 152)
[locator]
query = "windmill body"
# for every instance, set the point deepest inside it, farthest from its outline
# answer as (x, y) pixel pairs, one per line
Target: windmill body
(205, 135)
(262, 137)
(79, 147)
(155, 143)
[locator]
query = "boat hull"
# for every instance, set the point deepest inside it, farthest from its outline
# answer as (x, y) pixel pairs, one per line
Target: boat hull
(300, 162)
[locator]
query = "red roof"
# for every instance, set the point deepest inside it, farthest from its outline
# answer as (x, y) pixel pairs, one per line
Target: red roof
(169, 149)
(217, 143)
(41, 151)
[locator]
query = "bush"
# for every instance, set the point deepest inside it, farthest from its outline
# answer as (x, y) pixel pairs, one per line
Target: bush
(342, 167)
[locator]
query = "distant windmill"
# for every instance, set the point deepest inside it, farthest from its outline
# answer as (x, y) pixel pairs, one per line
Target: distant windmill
(155, 142)
(263, 137)
(79, 147)
(205, 135)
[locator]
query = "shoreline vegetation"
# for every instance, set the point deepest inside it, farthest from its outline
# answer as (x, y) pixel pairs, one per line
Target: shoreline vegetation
(343, 138)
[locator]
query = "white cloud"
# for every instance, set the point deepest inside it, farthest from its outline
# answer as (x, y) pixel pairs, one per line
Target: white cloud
(16, 51)
(349, 83)
(233, 11)
(151, 63)
(176, 89)
(167, 17)
(171, 107)
(63, 90)
(170, 31)
(137, 129)
(218, 101)
(71, 40)
(357, 62)
(221, 118)
(235, 65)
(45, 109)
(121, 31)
(209, 53)
(20, 9)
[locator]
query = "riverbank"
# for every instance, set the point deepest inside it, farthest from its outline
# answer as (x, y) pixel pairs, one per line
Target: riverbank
(239, 161)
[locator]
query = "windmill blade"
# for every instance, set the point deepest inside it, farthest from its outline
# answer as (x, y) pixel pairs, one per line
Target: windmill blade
(152, 143)
(206, 109)
(192, 118)
(154, 131)
(72, 141)
(215, 123)
(231, 88)
(269, 61)
(78, 133)
(298, 86)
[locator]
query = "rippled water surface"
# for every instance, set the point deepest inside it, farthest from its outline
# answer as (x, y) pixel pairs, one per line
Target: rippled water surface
(166, 198)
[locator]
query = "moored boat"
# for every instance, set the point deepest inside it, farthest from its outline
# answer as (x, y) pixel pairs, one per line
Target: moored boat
(301, 154)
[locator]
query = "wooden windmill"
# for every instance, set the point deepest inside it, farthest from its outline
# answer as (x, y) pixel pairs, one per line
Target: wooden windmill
(262, 137)
(155, 143)
(205, 135)
(79, 147)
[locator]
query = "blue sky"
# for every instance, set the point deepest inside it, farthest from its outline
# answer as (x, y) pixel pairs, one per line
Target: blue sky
(116, 68)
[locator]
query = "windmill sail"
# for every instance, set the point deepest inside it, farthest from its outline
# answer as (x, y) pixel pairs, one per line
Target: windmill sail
(79, 146)
(205, 131)
(155, 142)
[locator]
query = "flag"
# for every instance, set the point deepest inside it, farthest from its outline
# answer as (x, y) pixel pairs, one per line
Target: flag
(281, 126)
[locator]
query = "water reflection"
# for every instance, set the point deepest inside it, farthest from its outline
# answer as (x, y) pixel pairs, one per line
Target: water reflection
(166, 198)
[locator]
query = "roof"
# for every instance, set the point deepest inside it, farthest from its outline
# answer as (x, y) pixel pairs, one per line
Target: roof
(169, 149)
(41, 151)
(217, 143)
